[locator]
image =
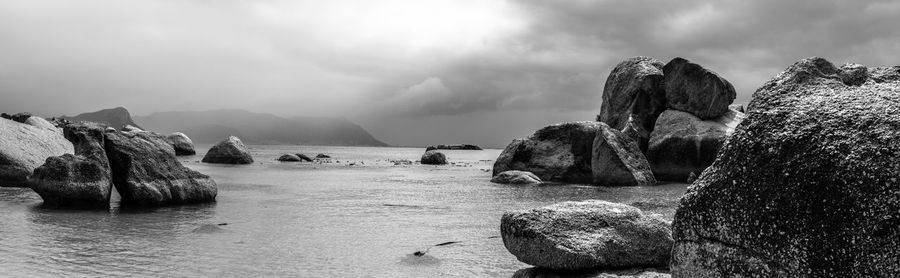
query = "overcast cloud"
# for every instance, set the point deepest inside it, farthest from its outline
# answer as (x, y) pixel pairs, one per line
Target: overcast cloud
(411, 72)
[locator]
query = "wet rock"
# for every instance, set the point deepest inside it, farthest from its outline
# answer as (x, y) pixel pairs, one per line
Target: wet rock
(230, 151)
(434, 158)
(516, 177)
(586, 235)
(634, 89)
(303, 157)
(616, 160)
(288, 158)
(696, 90)
(80, 180)
(682, 143)
(146, 172)
(181, 143)
(25, 147)
(560, 152)
(807, 185)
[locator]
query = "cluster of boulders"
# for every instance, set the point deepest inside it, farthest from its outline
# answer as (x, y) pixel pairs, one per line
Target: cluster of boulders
(454, 147)
(657, 121)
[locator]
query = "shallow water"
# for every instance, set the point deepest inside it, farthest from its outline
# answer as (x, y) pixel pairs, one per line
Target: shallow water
(301, 220)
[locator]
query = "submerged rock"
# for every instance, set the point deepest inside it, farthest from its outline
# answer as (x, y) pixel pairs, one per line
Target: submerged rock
(288, 158)
(181, 143)
(634, 92)
(616, 160)
(434, 158)
(682, 143)
(560, 152)
(516, 177)
(80, 180)
(230, 151)
(807, 186)
(24, 147)
(146, 172)
(586, 235)
(696, 90)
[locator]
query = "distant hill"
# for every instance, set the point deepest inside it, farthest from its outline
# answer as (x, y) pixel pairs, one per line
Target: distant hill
(115, 117)
(259, 128)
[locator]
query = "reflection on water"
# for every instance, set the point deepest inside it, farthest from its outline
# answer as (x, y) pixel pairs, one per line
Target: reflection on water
(301, 219)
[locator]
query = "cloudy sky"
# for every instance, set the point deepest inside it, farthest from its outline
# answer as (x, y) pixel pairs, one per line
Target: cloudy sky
(413, 72)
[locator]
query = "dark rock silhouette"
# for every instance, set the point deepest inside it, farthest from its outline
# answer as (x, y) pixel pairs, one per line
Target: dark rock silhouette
(560, 152)
(516, 177)
(117, 118)
(229, 151)
(288, 158)
(25, 147)
(321, 155)
(634, 92)
(807, 186)
(694, 89)
(80, 180)
(434, 158)
(454, 147)
(303, 157)
(682, 143)
(616, 160)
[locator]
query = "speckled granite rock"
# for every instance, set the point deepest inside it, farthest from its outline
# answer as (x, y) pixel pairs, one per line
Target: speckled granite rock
(634, 91)
(24, 147)
(560, 152)
(516, 177)
(616, 160)
(694, 89)
(80, 180)
(229, 151)
(433, 157)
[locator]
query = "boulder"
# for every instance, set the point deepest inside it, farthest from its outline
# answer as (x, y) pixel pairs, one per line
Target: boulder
(560, 152)
(537, 272)
(131, 128)
(737, 107)
(24, 147)
(303, 157)
(694, 89)
(288, 158)
(516, 177)
(807, 186)
(682, 143)
(146, 172)
(321, 155)
(18, 117)
(80, 180)
(616, 160)
(634, 91)
(454, 147)
(230, 151)
(181, 143)
(434, 158)
(587, 235)
(40, 122)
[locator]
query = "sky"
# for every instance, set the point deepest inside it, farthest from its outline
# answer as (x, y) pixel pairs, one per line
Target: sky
(412, 72)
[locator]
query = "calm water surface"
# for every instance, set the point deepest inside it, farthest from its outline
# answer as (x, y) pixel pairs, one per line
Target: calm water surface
(302, 220)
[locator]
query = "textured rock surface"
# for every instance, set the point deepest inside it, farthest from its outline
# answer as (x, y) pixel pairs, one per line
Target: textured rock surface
(182, 143)
(24, 147)
(516, 177)
(616, 160)
(536, 272)
(434, 158)
(230, 151)
(80, 180)
(634, 89)
(40, 122)
(560, 152)
(146, 172)
(586, 235)
(304, 157)
(454, 147)
(682, 143)
(807, 186)
(288, 158)
(692, 88)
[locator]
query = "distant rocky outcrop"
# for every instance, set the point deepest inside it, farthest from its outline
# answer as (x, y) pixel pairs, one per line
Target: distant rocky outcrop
(288, 158)
(182, 143)
(80, 180)
(696, 90)
(229, 151)
(117, 118)
(560, 152)
(807, 186)
(516, 177)
(303, 157)
(454, 147)
(616, 160)
(634, 93)
(24, 147)
(682, 143)
(587, 235)
(433, 158)
(321, 155)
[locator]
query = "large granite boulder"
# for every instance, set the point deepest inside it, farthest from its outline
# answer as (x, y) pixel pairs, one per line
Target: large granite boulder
(560, 152)
(516, 177)
(807, 186)
(692, 88)
(146, 172)
(25, 147)
(639, 272)
(634, 89)
(682, 143)
(433, 157)
(80, 180)
(230, 151)
(181, 143)
(39, 122)
(616, 160)
(587, 235)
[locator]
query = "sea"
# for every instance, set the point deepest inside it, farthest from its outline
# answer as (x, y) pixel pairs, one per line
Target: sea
(362, 213)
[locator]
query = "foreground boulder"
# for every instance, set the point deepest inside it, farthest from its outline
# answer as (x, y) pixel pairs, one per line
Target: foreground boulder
(230, 151)
(25, 147)
(182, 144)
(616, 160)
(146, 172)
(634, 92)
(434, 158)
(537, 272)
(560, 152)
(807, 186)
(586, 235)
(682, 143)
(516, 177)
(288, 158)
(80, 180)
(694, 89)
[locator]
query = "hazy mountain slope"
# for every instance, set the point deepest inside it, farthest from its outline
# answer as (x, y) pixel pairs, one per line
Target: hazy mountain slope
(115, 117)
(259, 128)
